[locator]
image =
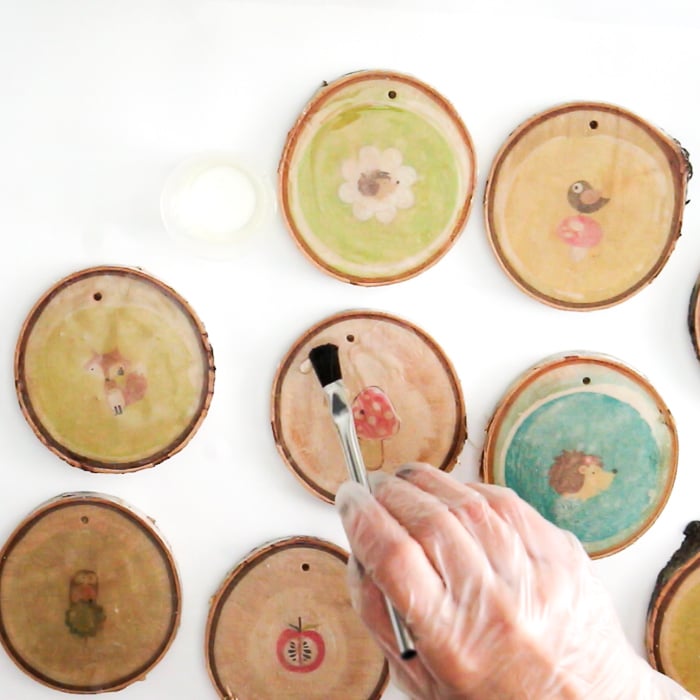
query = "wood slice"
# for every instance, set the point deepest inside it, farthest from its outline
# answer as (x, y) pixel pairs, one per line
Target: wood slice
(113, 370)
(584, 204)
(673, 618)
(589, 443)
(376, 177)
(89, 594)
(694, 317)
(379, 354)
(282, 626)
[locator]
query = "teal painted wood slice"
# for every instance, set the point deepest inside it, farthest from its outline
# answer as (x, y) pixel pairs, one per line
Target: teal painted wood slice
(589, 443)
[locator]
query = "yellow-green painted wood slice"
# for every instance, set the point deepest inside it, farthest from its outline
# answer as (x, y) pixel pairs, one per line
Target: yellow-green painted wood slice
(376, 177)
(113, 369)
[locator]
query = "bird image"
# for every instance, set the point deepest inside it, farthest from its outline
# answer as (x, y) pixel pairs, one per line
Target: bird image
(584, 198)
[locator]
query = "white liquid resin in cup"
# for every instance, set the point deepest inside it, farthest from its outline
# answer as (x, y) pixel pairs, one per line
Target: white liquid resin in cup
(215, 202)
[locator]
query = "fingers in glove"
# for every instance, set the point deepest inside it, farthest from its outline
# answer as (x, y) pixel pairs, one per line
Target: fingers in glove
(445, 541)
(477, 606)
(395, 561)
(501, 544)
(444, 631)
(539, 536)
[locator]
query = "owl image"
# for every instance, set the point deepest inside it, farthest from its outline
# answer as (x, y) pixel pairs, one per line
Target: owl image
(84, 617)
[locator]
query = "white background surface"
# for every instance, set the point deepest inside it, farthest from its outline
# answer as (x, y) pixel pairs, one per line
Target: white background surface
(100, 100)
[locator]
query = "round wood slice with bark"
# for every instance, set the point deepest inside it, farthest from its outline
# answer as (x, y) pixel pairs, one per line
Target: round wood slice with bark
(694, 317)
(673, 617)
(113, 370)
(589, 443)
(89, 594)
(281, 626)
(376, 178)
(584, 204)
(406, 400)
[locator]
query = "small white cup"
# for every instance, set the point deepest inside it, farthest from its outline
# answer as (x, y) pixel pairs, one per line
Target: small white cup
(211, 204)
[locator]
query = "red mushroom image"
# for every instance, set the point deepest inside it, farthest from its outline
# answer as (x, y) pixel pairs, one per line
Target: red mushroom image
(581, 233)
(375, 421)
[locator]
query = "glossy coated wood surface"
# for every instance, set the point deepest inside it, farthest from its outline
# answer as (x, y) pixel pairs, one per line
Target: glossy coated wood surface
(584, 204)
(113, 370)
(376, 177)
(588, 442)
(405, 396)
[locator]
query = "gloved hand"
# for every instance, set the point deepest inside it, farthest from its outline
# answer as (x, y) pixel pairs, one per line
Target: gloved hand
(501, 602)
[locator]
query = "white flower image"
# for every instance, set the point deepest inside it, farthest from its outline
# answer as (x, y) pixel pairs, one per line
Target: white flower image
(377, 184)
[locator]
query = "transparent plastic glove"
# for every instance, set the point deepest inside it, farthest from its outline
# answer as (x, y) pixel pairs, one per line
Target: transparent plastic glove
(502, 603)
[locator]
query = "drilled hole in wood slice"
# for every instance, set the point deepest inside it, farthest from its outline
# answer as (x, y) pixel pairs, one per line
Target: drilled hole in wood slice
(586, 380)
(85, 520)
(392, 94)
(305, 567)
(593, 124)
(97, 296)
(350, 338)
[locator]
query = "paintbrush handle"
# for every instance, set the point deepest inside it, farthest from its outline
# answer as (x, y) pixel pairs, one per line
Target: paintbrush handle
(351, 449)
(404, 640)
(344, 423)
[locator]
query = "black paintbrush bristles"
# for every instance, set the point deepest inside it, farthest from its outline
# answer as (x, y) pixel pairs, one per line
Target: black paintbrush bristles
(324, 360)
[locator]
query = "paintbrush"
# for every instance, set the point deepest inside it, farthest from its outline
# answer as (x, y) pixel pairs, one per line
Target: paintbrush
(324, 360)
